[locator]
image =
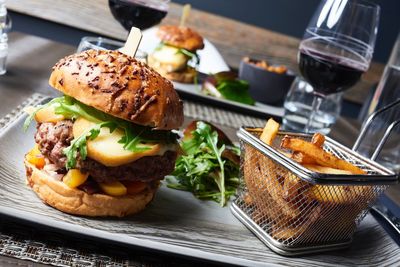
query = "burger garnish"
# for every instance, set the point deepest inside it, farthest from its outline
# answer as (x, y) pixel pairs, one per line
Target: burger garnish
(135, 138)
(175, 57)
(102, 148)
(209, 167)
(226, 85)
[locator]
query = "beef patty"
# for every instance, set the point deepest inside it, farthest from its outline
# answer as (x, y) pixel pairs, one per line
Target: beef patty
(52, 138)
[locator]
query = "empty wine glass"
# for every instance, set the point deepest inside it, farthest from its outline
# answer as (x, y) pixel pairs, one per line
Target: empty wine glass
(337, 48)
(101, 43)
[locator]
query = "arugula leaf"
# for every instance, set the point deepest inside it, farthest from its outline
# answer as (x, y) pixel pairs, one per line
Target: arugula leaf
(79, 144)
(202, 170)
(193, 56)
(30, 118)
(72, 109)
(131, 142)
(159, 46)
(211, 140)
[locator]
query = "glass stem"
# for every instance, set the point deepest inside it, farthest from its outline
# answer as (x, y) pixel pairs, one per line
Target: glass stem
(317, 100)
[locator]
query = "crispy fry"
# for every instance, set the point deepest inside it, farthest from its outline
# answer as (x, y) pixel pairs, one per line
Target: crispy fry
(333, 194)
(269, 132)
(302, 158)
(318, 139)
(281, 195)
(327, 170)
(273, 185)
(321, 156)
(287, 154)
(286, 230)
(248, 199)
(266, 184)
(293, 188)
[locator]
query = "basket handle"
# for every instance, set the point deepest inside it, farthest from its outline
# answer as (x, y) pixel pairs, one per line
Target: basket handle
(384, 138)
(368, 124)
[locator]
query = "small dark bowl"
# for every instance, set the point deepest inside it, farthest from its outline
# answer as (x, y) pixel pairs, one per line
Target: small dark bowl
(265, 86)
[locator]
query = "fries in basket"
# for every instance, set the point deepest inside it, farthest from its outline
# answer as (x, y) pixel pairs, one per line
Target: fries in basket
(296, 209)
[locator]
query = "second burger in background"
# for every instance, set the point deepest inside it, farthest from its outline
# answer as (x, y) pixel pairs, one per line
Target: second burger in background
(176, 58)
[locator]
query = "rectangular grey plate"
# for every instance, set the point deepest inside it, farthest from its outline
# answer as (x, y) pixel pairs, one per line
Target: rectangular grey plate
(259, 109)
(174, 222)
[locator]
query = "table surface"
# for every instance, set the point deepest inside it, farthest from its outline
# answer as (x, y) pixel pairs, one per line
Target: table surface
(233, 39)
(28, 70)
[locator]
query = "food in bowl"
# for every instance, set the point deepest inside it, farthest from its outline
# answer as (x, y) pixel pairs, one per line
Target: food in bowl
(175, 57)
(279, 69)
(103, 147)
(268, 84)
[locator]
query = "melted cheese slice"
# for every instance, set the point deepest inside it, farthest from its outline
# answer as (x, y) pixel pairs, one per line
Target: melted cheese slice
(170, 58)
(106, 149)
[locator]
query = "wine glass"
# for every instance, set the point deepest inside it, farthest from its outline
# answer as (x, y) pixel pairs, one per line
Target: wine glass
(141, 14)
(337, 48)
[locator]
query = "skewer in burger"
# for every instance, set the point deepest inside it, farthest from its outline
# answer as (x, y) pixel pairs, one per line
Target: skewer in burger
(103, 147)
(176, 58)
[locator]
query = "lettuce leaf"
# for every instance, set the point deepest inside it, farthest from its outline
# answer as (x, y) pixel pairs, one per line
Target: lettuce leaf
(236, 90)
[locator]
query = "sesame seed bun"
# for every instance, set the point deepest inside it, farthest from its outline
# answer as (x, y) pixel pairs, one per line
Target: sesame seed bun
(121, 86)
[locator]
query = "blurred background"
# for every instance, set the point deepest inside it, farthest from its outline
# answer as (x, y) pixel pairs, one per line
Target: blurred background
(291, 17)
(286, 16)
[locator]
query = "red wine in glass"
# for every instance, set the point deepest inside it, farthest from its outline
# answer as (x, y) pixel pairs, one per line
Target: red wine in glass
(329, 67)
(142, 14)
(328, 74)
(336, 49)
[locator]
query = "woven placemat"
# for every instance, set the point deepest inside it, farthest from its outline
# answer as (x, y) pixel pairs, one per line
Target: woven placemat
(47, 246)
(34, 243)
(220, 116)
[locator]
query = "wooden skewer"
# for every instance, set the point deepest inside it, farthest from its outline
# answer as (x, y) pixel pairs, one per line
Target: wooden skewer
(185, 14)
(132, 42)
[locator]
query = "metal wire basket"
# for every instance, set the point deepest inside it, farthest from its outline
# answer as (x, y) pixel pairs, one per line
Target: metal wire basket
(296, 211)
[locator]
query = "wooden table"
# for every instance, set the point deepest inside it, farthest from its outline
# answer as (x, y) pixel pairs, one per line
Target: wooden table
(233, 39)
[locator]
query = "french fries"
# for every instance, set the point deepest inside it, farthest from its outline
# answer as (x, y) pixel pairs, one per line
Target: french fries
(321, 156)
(269, 132)
(265, 185)
(326, 170)
(302, 158)
(293, 208)
(318, 139)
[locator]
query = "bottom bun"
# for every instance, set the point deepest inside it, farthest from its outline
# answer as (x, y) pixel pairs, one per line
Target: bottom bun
(60, 196)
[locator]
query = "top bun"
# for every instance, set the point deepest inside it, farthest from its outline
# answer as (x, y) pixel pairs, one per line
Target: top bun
(181, 37)
(121, 86)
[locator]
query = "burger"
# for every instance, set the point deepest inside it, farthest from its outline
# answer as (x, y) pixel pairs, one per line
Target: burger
(103, 147)
(176, 58)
